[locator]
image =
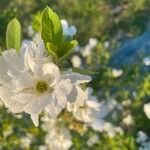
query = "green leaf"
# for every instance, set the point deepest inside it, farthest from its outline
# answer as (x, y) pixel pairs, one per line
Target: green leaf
(36, 23)
(13, 34)
(51, 29)
(84, 71)
(67, 49)
(51, 48)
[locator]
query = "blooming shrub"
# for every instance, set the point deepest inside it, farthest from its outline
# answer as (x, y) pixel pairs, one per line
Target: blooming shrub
(53, 97)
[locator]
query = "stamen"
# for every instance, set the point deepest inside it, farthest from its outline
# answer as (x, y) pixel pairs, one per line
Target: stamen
(41, 86)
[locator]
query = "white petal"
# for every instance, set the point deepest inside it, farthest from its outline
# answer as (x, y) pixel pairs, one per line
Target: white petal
(77, 96)
(21, 80)
(4, 79)
(23, 98)
(40, 51)
(98, 125)
(60, 99)
(89, 91)
(10, 60)
(78, 115)
(6, 66)
(87, 116)
(78, 78)
(51, 73)
(13, 59)
(93, 104)
(35, 119)
(5, 96)
(30, 56)
(53, 110)
(65, 86)
(37, 104)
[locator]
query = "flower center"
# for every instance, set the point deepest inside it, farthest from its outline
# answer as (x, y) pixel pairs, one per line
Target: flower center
(41, 86)
(83, 107)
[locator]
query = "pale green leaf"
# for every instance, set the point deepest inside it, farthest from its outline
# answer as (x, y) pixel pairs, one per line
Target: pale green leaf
(13, 35)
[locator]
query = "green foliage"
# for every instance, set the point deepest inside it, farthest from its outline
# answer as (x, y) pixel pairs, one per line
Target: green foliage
(66, 50)
(13, 35)
(52, 35)
(36, 23)
(51, 30)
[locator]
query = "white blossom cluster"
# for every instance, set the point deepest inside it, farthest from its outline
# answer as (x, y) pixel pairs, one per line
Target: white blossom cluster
(32, 83)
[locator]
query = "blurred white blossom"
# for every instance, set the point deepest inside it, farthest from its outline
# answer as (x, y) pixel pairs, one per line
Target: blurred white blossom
(92, 140)
(76, 61)
(30, 31)
(86, 51)
(85, 109)
(26, 141)
(111, 130)
(57, 138)
(128, 120)
(116, 73)
(68, 30)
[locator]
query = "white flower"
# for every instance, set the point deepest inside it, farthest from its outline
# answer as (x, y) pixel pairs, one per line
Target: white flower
(76, 61)
(69, 31)
(92, 140)
(92, 42)
(77, 96)
(34, 84)
(128, 120)
(26, 141)
(30, 31)
(111, 130)
(57, 138)
(147, 110)
(116, 73)
(89, 110)
(100, 124)
(88, 48)
(8, 131)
